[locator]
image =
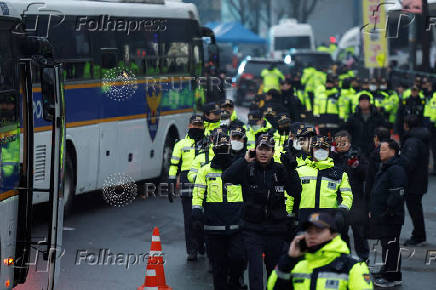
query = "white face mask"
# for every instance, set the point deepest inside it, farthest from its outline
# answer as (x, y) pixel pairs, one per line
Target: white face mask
(297, 145)
(237, 145)
(383, 87)
(321, 154)
(372, 87)
(225, 122)
(256, 127)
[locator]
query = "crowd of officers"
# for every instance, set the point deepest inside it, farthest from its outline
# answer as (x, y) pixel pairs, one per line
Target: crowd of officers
(282, 193)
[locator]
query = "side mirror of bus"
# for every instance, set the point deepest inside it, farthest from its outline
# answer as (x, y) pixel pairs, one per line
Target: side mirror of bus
(48, 91)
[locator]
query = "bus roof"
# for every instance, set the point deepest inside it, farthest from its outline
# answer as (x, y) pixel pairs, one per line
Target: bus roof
(169, 9)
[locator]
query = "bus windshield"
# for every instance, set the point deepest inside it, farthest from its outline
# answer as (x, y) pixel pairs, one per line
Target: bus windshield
(284, 43)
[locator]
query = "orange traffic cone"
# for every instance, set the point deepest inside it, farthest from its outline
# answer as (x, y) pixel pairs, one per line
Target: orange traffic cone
(154, 273)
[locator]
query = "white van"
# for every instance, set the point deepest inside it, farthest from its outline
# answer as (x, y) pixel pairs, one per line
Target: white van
(287, 35)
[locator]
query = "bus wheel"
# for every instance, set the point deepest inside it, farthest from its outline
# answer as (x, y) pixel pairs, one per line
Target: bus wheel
(166, 158)
(69, 188)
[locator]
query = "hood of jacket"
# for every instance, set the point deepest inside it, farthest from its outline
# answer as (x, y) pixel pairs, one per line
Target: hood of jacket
(329, 252)
(420, 133)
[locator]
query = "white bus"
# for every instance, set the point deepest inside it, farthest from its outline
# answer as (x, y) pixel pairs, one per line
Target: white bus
(289, 34)
(19, 57)
(117, 123)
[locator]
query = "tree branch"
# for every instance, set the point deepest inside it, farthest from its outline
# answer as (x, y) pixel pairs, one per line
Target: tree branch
(308, 11)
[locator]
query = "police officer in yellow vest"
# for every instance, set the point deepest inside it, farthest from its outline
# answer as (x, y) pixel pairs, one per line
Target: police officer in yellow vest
(218, 207)
(281, 136)
(256, 127)
(271, 78)
(319, 259)
(430, 116)
(326, 108)
(298, 150)
(325, 187)
(205, 156)
(212, 117)
(391, 103)
(184, 153)
(228, 106)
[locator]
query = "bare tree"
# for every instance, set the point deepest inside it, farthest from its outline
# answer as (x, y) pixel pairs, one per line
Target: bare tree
(301, 10)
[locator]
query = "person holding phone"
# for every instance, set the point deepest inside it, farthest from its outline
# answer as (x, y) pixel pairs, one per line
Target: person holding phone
(319, 254)
(264, 216)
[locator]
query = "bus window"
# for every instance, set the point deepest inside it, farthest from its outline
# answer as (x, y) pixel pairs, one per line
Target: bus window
(176, 57)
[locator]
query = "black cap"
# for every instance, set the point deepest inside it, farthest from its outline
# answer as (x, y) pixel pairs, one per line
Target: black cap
(196, 119)
(284, 119)
(265, 139)
(306, 131)
(221, 139)
(237, 131)
(321, 142)
(227, 103)
(296, 126)
(364, 97)
(255, 115)
(320, 220)
(211, 108)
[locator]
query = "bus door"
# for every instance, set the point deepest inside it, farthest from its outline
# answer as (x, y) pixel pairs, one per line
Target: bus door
(35, 64)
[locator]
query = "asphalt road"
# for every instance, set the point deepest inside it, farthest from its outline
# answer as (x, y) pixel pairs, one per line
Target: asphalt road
(95, 227)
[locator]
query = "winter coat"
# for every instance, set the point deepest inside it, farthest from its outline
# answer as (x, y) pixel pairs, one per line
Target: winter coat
(357, 176)
(362, 132)
(414, 157)
(387, 200)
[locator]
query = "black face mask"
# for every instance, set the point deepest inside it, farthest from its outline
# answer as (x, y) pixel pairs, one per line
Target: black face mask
(196, 133)
(317, 248)
(284, 131)
(222, 158)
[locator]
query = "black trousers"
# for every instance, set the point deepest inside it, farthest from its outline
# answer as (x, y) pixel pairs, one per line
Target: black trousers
(228, 259)
(414, 206)
(194, 239)
(361, 244)
(255, 244)
(391, 258)
(433, 146)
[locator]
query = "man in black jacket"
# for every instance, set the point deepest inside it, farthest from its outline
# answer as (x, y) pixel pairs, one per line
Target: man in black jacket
(414, 157)
(356, 166)
(265, 220)
(362, 125)
(381, 134)
(386, 216)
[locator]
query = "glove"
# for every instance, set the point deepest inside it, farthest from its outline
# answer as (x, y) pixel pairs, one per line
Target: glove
(288, 160)
(341, 219)
(197, 219)
(353, 162)
(171, 189)
(292, 225)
